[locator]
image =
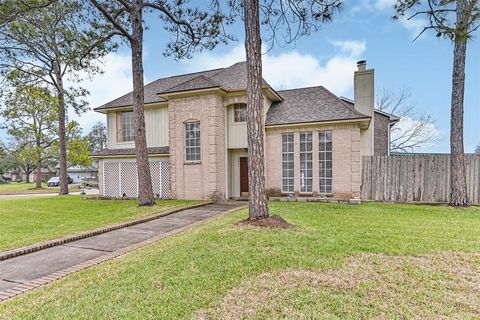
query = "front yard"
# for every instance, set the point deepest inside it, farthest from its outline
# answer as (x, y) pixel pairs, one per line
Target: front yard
(28, 220)
(21, 187)
(339, 261)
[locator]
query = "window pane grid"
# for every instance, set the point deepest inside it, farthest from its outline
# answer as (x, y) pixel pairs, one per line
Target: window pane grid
(192, 141)
(240, 113)
(127, 126)
(306, 162)
(287, 163)
(325, 161)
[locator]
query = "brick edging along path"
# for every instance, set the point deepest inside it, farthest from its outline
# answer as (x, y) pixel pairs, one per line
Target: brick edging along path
(4, 255)
(34, 284)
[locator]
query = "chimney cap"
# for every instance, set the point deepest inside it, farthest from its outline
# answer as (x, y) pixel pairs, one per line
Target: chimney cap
(362, 65)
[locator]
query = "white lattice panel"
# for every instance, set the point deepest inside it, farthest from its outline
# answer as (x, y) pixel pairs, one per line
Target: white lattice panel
(165, 178)
(111, 181)
(129, 179)
(120, 178)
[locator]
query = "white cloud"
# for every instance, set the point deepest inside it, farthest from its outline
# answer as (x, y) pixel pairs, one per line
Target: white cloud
(426, 134)
(113, 83)
(294, 69)
(384, 4)
(386, 7)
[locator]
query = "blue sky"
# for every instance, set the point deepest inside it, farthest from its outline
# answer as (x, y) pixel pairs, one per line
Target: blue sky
(363, 30)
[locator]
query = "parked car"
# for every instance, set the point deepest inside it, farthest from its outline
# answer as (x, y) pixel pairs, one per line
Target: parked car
(55, 181)
(6, 179)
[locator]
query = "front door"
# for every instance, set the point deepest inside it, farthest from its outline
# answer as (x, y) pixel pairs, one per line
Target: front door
(244, 177)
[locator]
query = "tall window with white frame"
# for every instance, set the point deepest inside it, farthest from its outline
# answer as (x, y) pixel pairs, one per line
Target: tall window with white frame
(192, 141)
(127, 126)
(325, 161)
(288, 172)
(306, 162)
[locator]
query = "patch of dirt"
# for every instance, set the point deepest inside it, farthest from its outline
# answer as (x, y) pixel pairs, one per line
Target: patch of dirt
(274, 221)
(370, 286)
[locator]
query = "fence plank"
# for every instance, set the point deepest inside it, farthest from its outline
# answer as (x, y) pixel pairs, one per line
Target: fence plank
(416, 178)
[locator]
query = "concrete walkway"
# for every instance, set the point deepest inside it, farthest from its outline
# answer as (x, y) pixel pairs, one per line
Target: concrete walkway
(46, 194)
(26, 270)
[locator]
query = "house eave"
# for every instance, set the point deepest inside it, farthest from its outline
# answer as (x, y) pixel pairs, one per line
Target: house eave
(126, 155)
(364, 123)
(130, 107)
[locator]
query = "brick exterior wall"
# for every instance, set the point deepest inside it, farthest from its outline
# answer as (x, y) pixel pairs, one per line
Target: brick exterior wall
(346, 159)
(381, 134)
(205, 179)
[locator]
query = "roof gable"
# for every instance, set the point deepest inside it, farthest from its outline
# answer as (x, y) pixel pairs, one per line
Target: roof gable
(230, 79)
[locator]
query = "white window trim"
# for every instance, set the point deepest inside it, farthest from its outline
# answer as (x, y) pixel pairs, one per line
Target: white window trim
(311, 161)
(192, 161)
(293, 162)
(319, 169)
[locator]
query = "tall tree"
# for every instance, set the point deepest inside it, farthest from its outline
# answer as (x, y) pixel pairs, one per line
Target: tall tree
(13, 9)
(97, 137)
(22, 158)
(30, 114)
(477, 149)
(50, 45)
(415, 129)
(78, 148)
(285, 22)
(193, 28)
(455, 20)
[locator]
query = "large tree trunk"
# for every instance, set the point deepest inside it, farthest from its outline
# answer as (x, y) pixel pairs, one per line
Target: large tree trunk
(145, 193)
(458, 196)
(258, 202)
(38, 184)
(61, 131)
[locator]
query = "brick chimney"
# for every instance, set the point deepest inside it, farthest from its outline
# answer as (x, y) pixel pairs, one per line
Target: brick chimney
(364, 101)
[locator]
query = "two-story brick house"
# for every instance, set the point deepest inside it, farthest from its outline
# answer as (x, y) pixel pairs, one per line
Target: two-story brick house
(197, 137)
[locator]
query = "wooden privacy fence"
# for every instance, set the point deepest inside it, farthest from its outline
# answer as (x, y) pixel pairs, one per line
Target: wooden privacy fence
(415, 178)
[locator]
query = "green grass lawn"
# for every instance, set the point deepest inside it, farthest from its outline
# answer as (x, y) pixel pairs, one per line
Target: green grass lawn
(16, 188)
(29, 220)
(339, 261)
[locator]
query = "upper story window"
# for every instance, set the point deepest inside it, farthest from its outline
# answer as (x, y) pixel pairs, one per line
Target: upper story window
(192, 141)
(240, 113)
(128, 131)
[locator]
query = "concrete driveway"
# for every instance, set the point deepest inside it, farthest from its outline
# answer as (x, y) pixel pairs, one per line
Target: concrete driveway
(27, 271)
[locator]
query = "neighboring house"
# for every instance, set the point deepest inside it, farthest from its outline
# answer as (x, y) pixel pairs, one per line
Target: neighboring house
(78, 173)
(197, 137)
(17, 175)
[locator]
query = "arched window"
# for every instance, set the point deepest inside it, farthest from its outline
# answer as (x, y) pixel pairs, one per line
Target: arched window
(192, 141)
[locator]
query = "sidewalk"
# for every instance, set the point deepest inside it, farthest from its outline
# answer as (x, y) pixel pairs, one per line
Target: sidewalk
(29, 271)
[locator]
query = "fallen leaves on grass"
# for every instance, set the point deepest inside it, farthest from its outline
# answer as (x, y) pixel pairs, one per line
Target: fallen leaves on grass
(436, 286)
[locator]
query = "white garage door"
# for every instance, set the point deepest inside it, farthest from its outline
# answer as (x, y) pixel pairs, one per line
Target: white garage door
(120, 178)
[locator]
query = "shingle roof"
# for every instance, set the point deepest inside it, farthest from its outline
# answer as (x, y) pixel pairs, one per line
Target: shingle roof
(129, 151)
(350, 103)
(155, 87)
(313, 104)
(231, 78)
(200, 82)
